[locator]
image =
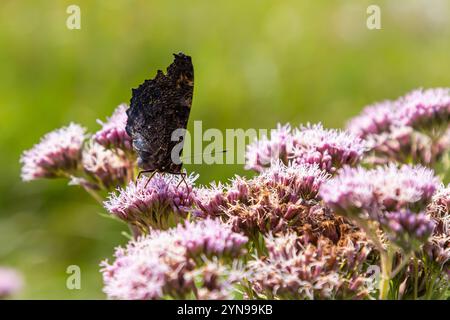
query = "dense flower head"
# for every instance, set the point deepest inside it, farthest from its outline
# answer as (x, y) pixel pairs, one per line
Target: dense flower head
(423, 108)
(210, 238)
(437, 250)
(147, 268)
(310, 144)
(272, 201)
(113, 133)
(261, 153)
(109, 169)
(57, 154)
(409, 230)
(413, 128)
(329, 148)
(404, 186)
(157, 202)
(11, 282)
(374, 119)
(167, 262)
(350, 192)
(404, 144)
(438, 247)
(296, 181)
(238, 190)
(296, 271)
(439, 208)
(210, 200)
(357, 191)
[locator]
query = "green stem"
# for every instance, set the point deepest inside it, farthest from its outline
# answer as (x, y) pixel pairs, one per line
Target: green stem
(94, 195)
(386, 266)
(416, 277)
(402, 265)
(431, 287)
(385, 257)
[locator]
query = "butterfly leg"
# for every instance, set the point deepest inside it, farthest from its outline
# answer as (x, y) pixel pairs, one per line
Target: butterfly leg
(144, 172)
(183, 176)
(150, 178)
(183, 179)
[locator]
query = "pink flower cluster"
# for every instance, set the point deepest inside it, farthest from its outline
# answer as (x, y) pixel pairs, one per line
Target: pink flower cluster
(391, 195)
(210, 238)
(272, 201)
(70, 153)
(160, 202)
(113, 133)
(107, 169)
(295, 271)
(169, 262)
(413, 127)
(359, 190)
(330, 149)
(58, 153)
(424, 108)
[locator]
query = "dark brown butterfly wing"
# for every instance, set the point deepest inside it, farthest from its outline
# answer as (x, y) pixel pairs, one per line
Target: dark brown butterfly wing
(159, 107)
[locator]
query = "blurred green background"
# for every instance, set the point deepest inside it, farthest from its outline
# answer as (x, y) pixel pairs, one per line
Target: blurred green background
(257, 62)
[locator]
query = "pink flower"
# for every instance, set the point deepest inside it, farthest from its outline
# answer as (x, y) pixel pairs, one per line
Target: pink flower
(292, 270)
(357, 190)
(57, 154)
(210, 200)
(158, 203)
(423, 108)
(407, 229)
(168, 262)
(329, 148)
(210, 238)
(414, 128)
(311, 144)
(113, 133)
(295, 181)
(109, 169)
(146, 268)
(262, 152)
(374, 119)
(11, 282)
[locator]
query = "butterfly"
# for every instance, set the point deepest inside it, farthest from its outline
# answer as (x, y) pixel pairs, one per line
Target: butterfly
(158, 107)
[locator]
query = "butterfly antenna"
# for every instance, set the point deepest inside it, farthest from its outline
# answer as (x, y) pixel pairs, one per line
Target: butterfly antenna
(202, 154)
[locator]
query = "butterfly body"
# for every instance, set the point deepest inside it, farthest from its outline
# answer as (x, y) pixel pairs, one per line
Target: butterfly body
(158, 107)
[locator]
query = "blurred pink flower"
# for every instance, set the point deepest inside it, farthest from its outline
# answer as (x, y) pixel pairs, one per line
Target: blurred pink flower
(57, 154)
(408, 229)
(425, 108)
(374, 119)
(11, 282)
